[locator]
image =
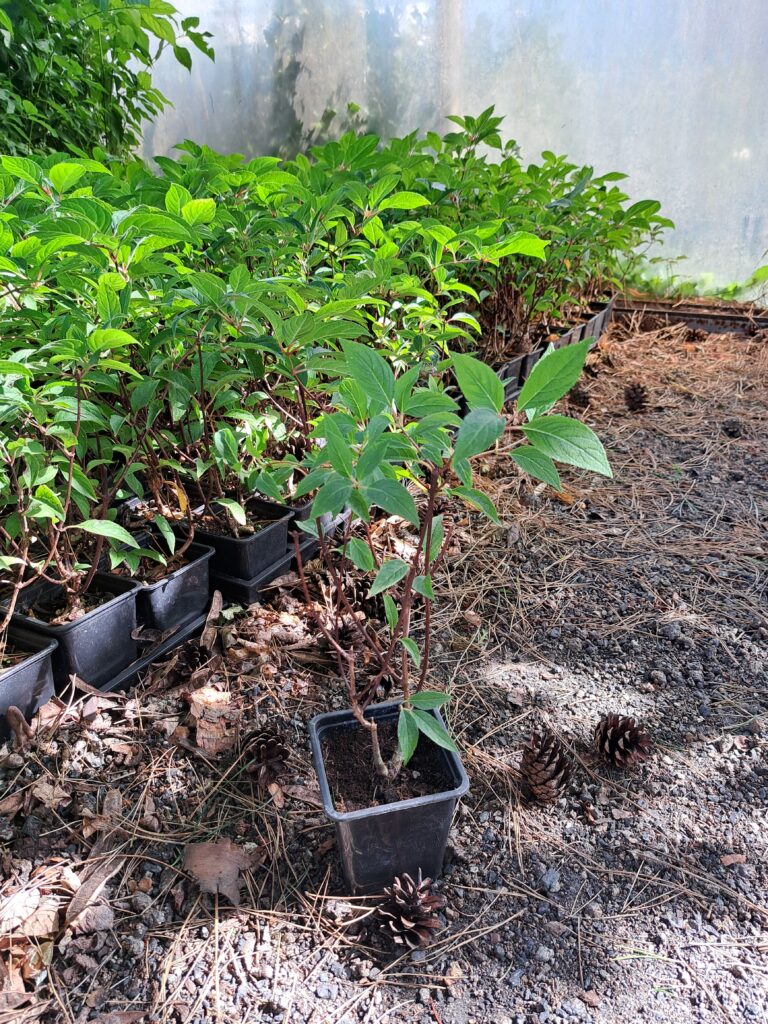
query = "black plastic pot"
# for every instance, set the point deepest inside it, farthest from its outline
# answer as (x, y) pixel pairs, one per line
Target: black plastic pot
(378, 843)
(529, 361)
(28, 684)
(178, 597)
(94, 647)
(245, 557)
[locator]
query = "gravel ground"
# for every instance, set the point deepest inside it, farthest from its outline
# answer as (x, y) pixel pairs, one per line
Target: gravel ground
(639, 895)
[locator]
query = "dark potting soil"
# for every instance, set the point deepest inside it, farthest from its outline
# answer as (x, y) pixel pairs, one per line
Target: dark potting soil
(55, 611)
(150, 571)
(226, 527)
(354, 782)
(9, 656)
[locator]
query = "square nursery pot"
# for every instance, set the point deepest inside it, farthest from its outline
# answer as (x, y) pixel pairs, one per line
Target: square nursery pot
(28, 684)
(245, 557)
(94, 647)
(529, 361)
(378, 843)
(178, 597)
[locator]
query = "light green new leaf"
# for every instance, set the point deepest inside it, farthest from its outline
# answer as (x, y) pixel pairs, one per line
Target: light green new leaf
(479, 384)
(403, 201)
(479, 501)
(199, 211)
(390, 610)
(570, 441)
(537, 464)
(552, 377)
(65, 176)
(388, 575)
(109, 337)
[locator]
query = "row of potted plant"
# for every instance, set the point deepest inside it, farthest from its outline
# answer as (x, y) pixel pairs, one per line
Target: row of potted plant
(203, 366)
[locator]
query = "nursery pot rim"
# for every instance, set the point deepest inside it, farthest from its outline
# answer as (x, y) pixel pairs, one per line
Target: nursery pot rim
(122, 589)
(366, 812)
(35, 646)
(197, 553)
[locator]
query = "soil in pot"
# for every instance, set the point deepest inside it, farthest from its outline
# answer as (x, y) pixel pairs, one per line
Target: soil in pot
(354, 782)
(53, 609)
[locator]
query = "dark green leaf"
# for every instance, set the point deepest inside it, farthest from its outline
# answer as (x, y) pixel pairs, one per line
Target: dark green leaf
(394, 498)
(433, 730)
(566, 440)
(479, 384)
(478, 431)
(426, 699)
(552, 377)
(407, 734)
(390, 573)
(537, 464)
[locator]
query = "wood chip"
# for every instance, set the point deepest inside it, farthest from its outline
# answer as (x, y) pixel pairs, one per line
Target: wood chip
(729, 859)
(303, 793)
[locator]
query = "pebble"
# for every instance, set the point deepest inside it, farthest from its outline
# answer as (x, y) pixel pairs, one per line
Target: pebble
(424, 996)
(545, 954)
(658, 677)
(669, 630)
(550, 880)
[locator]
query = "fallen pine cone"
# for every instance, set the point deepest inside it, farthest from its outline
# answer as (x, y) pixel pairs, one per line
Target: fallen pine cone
(546, 767)
(267, 754)
(636, 397)
(409, 912)
(622, 741)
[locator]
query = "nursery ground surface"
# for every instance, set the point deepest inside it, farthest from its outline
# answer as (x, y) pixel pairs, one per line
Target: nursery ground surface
(638, 896)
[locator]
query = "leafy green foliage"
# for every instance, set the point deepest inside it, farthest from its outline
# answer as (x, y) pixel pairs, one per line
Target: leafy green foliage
(75, 74)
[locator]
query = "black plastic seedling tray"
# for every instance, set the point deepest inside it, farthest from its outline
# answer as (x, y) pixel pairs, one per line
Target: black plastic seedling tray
(378, 843)
(28, 684)
(95, 646)
(178, 597)
(128, 676)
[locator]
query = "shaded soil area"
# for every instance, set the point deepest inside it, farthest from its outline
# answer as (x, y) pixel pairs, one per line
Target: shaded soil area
(639, 896)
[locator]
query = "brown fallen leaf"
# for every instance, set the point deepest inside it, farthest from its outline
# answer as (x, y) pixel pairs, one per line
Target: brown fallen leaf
(729, 859)
(453, 975)
(303, 793)
(326, 846)
(11, 804)
(590, 997)
(52, 794)
(92, 886)
(98, 917)
(111, 809)
(472, 618)
(216, 867)
(277, 795)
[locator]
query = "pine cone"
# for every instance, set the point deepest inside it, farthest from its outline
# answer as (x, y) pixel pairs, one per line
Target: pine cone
(409, 912)
(621, 741)
(268, 754)
(546, 767)
(636, 397)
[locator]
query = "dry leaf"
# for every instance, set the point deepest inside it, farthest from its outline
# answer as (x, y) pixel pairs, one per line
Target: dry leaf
(111, 808)
(216, 867)
(473, 618)
(52, 794)
(16, 908)
(733, 858)
(98, 917)
(453, 975)
(277, 795)
(11, 804)
(326, 846)
(88, 893)
(303, 793)
(591, 998)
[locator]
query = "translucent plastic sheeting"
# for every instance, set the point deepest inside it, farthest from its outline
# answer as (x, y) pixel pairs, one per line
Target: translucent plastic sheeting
(671, 91)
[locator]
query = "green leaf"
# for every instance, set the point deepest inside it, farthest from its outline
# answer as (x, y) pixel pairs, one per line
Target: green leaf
(407, 734)
(51, 500)
(570, 441)
(360, 555)
(537, 464)
(106, 528)
(199, 211)
(478, 431)
(109, 337)
(176, 197)
(337, 449)
(65, 175)
(234, 508)
(390, 610)
(552, 377)
(426, 699)
(332, 496)
(479, 501)
(372, 373)
(410, 645)
(165, 531)
(388, 575)
(423, 585)
(434, 731)
(225, 444)
(437, 538)
(403, 201)
(479, 384)
(394, 498)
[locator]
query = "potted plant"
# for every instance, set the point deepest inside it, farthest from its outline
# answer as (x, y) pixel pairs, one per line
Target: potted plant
(393, 443)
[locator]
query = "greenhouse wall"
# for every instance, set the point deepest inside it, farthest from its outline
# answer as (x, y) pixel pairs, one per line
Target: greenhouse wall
(670, 91)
